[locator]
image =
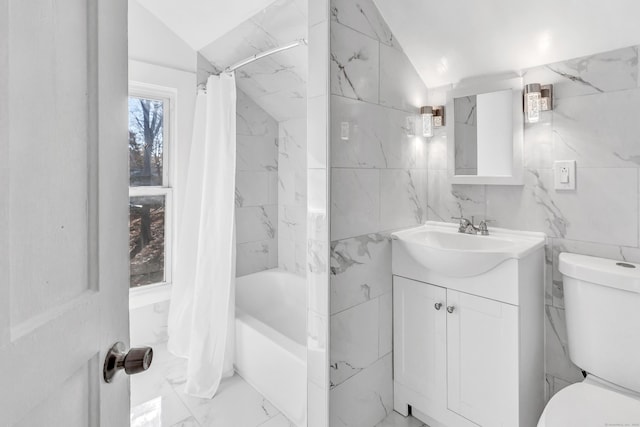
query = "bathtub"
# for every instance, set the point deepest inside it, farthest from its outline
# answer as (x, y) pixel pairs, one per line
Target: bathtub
(271, 339)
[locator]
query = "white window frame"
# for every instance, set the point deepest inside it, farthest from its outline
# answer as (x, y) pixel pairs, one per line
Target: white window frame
(157, 292)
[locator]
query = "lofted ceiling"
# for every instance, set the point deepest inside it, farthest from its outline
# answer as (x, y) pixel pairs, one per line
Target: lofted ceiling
(276, 83)
(226, 32)
(199, 22)
(448, 41)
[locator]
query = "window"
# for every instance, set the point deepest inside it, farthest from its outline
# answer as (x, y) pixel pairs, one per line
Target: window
(150, 192)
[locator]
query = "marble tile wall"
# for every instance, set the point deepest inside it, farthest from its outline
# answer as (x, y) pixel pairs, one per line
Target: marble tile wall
(277, 83)
(292, 195)
(378, 184)
(317, 248)
(271, 188)
(256, 188)
(597, 100)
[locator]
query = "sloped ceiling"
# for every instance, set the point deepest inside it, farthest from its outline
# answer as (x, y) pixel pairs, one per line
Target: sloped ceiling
(225, 32)
(199, 22)
(277, 83)
(448, 41)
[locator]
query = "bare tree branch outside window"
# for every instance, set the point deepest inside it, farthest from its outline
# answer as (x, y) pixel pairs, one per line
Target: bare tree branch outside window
(146, 213)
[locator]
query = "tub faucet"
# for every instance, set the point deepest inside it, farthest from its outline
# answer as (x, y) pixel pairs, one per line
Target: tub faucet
(467, 227)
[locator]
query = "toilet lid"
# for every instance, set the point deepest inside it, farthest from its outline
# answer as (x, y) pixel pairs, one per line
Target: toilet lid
(587, 405)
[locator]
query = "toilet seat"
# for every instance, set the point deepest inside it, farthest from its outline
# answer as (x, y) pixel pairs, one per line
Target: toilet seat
(586, 405)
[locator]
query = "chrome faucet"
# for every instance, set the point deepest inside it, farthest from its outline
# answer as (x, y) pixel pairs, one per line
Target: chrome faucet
(467, 227)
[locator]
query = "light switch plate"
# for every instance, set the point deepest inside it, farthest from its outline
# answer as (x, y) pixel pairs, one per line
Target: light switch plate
(564, 174)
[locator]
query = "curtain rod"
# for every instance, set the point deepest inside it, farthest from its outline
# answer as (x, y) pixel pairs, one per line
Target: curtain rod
(263, 54)
(203, 85)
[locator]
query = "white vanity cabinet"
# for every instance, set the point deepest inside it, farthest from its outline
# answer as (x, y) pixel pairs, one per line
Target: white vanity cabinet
(482, 364)
(419, 343)
(468, 351)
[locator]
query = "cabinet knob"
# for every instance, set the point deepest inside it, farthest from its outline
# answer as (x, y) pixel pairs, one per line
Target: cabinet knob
(450, 309)
(438, 305)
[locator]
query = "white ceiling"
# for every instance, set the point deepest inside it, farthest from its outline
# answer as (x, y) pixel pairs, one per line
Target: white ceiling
(450, 40)
(199, 22)
(240, 29)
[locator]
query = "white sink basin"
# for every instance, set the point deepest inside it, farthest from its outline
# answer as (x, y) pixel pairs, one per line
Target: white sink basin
(439, 247)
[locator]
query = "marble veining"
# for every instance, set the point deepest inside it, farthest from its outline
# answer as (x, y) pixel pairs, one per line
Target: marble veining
(354, 64)
(402, 198)
(594, 122)
(446, 201)
(157, 398)
(558, 363)
(355, 202)
(556, 222)
(396, 420)
(603, 72)
(256, 192)
(292, 196)
(400, 85)
(364, 399)
(256, 256)
(360, 270)
(277, 82)
(574, 78)
(364, 17)
(379, 182)
(598, 130)
(377, 137)
(354, 341)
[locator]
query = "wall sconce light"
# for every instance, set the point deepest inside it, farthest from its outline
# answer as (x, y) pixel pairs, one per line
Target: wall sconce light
(431, 117)
(537, 98)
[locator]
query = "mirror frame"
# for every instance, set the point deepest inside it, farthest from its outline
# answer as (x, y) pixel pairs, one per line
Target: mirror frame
(516, 178)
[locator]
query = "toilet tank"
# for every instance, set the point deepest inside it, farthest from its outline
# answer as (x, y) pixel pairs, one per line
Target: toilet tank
(602, 309)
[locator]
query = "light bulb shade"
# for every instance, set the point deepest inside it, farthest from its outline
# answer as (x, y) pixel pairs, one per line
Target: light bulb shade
(532, 101)
(427, 125)
(533, 107)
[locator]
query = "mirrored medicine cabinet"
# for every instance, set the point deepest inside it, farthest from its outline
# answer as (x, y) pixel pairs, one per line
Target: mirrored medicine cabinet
(485, 133)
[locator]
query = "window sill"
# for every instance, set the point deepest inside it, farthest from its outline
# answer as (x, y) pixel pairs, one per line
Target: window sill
(149, 294)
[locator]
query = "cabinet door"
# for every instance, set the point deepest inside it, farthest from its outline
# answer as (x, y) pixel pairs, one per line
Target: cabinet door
(419, 346)
(482, 349)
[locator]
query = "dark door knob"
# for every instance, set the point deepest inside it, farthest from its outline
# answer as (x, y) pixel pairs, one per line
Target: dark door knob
(134, 361)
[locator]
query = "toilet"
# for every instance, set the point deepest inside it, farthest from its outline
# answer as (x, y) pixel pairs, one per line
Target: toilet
(602, 308)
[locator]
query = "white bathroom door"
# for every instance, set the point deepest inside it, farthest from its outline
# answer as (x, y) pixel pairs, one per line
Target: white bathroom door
(63, 211)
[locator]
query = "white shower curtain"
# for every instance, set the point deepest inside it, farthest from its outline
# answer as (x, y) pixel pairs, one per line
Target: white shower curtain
(201, 314)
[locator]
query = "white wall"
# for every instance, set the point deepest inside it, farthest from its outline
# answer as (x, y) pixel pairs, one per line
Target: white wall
(185, 85)
(152, 42)
(594, 121)
(158, 57)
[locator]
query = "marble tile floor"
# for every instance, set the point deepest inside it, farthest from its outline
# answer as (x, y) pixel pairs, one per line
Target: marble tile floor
(396, 420)
(158, 400)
